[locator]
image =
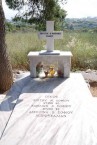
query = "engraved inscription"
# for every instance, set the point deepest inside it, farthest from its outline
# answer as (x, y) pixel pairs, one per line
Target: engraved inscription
(51, 106)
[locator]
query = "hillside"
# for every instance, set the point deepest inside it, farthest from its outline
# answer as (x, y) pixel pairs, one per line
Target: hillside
(83, 23)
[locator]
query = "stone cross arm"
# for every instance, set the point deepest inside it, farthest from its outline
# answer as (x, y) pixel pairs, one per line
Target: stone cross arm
(47, 35)
(50, 35)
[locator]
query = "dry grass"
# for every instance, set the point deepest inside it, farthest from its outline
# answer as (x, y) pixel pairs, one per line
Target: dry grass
(82, 45)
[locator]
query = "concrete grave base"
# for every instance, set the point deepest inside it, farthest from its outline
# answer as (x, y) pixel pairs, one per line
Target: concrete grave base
(45, 52)
(63, 61)
(51, 111)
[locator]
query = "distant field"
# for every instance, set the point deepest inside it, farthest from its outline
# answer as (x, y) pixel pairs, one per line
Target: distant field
(83, 46)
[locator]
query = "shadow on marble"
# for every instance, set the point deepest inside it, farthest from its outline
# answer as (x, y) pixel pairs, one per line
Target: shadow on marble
(43, 85)
(12, 96)
(9, 102)
(77, 128)
(23, 86)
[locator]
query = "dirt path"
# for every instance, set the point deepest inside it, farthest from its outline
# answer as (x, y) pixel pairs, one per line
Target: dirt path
(93, 88)
(91, 78)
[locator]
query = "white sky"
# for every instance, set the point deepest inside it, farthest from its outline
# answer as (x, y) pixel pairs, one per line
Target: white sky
(9, 14)
(74, 8)
(81, 8)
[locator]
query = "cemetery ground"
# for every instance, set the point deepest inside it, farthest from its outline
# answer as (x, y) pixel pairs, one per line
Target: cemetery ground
(83, 46)
(51, 111)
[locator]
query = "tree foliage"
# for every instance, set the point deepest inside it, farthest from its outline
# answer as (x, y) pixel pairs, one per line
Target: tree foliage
(38, 11)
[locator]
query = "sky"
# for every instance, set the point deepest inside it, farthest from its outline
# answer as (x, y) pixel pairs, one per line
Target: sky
(9, 14)
(74, 8)
(81, 8)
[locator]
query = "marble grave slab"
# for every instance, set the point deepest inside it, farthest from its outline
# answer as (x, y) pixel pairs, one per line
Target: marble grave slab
(8, 102)
(53, 112)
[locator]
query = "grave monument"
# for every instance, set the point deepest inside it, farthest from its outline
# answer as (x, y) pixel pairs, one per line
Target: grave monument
(49, 111)
(51, 56)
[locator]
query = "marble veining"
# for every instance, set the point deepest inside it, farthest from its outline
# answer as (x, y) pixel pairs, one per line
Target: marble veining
(78, 128)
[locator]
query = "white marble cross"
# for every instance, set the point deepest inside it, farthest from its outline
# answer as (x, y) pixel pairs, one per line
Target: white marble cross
(50, 35)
